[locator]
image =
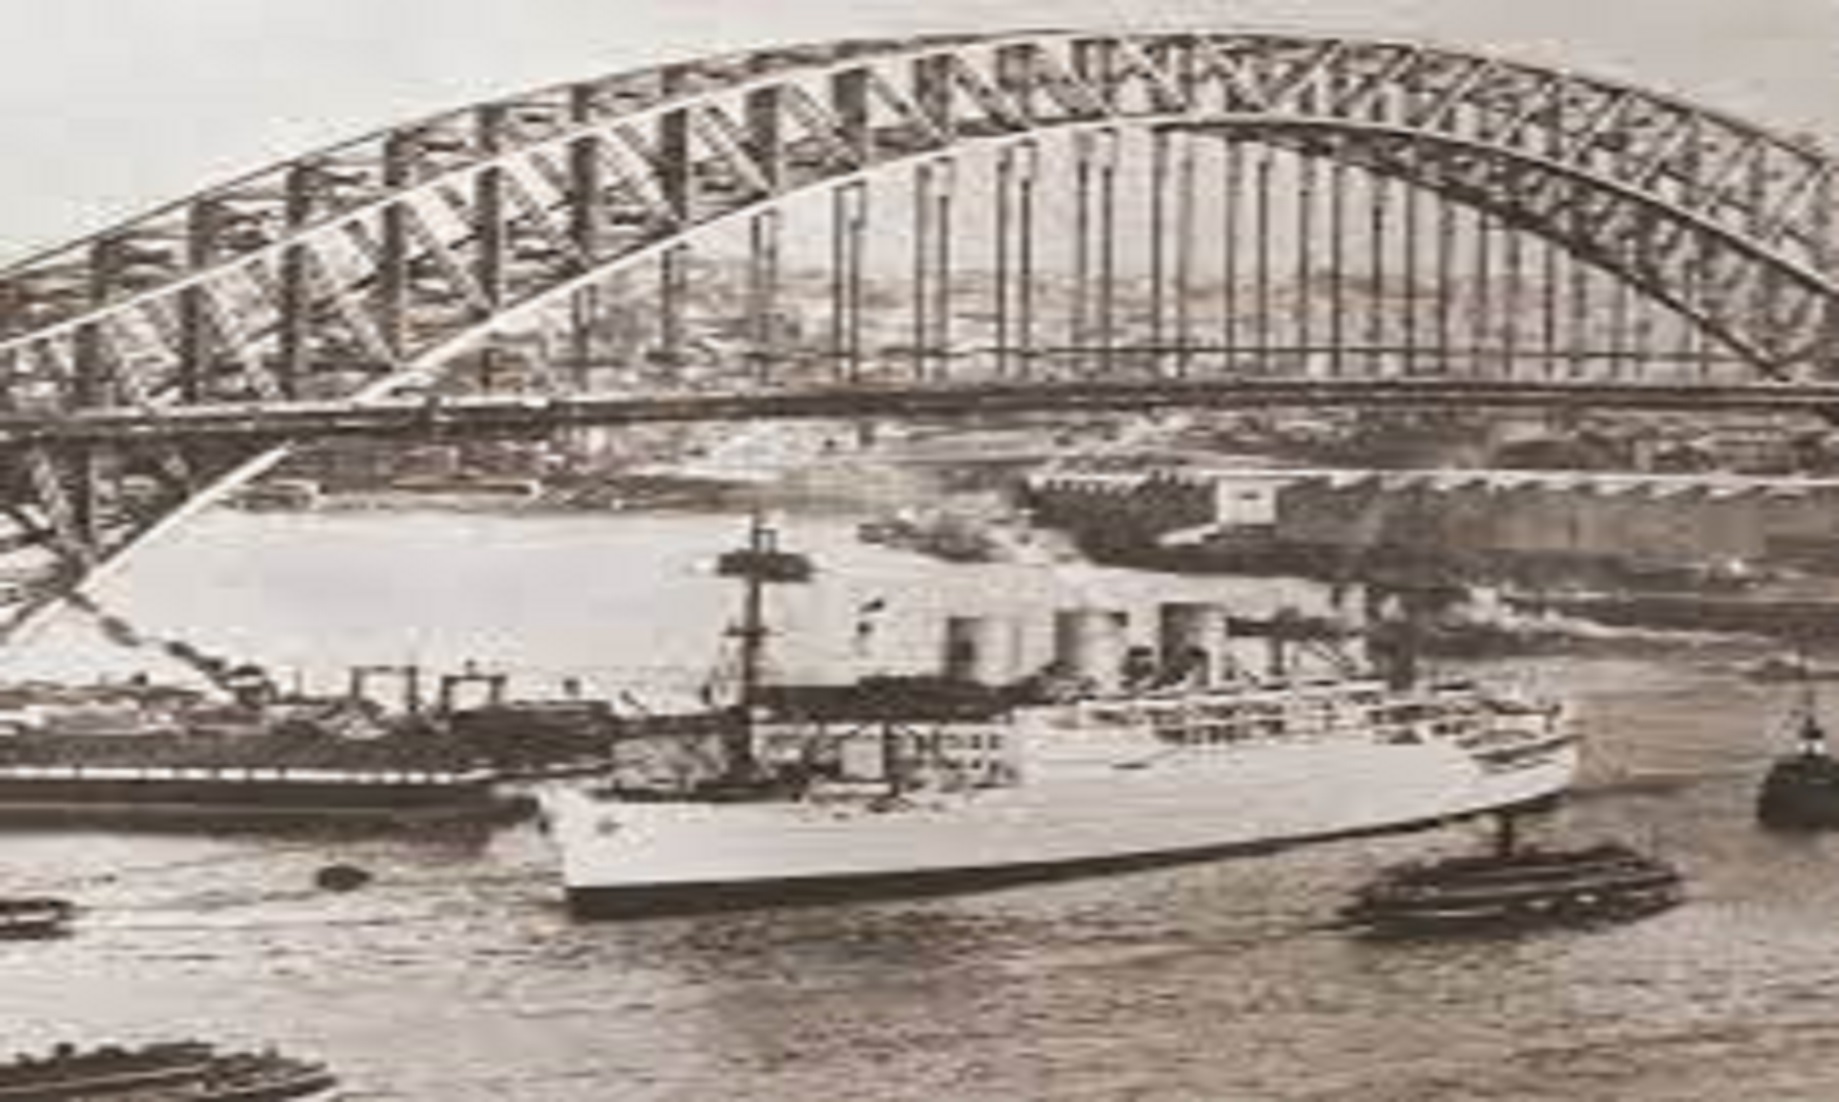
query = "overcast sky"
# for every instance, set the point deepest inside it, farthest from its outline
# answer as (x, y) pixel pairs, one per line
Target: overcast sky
(113, 106)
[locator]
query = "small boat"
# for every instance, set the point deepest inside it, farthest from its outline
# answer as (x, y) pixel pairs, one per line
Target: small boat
(35, 916)
(255, 1077)
(176, 1071)
(1516, 889)
(1801, 790)
(69, 1073)
(1783, 668)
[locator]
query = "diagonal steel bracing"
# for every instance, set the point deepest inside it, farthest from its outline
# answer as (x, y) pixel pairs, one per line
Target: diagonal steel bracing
(353, 271)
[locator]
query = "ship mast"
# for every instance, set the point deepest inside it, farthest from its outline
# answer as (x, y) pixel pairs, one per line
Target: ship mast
(752, 629)
(1812, 735)
(758, 564)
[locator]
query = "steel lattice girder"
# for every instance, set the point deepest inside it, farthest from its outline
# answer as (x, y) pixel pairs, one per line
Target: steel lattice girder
(1774, 313)
(355, 269)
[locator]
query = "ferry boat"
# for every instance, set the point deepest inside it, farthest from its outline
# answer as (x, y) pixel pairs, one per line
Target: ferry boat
(175, 1071)
(1515, 889)
(1112, 759)
(1607, 883)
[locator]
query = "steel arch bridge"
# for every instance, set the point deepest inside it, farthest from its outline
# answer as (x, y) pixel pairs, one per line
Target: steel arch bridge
(1166, 206)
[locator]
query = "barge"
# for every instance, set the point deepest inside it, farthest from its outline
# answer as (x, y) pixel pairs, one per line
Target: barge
(225, 795)
(260, 762)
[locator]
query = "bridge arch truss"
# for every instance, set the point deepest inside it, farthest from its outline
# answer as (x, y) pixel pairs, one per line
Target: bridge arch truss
(413, 253)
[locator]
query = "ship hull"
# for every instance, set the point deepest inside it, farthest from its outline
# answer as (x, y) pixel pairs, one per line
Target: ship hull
(640, 858)
(228, 800)
(714, 896)
(1800, 793)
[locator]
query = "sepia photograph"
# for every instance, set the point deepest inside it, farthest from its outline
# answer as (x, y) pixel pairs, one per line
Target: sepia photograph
(1279, 551)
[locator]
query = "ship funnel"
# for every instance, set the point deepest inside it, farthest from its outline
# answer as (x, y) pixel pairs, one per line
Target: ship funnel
(1191, 642)
(979, 650)
(1089, 645)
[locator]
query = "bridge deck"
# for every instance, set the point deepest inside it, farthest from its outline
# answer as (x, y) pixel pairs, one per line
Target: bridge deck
(476, 415)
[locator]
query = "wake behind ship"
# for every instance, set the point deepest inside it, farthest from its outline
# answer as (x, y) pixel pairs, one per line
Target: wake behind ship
(1112, 758)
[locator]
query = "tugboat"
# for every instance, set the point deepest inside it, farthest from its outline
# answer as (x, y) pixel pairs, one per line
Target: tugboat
(35, 916)
(1801, 791)
(1515, 889)
(175, 1071)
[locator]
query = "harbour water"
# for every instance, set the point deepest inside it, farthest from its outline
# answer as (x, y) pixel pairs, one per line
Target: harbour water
(456, 976)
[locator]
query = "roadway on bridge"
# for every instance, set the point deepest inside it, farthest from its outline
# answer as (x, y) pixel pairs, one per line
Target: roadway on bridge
(526, 414)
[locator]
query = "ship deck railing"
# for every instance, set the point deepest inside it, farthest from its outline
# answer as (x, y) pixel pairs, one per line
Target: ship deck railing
(1299, 722)
(1291, 706)
(1276, 696)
